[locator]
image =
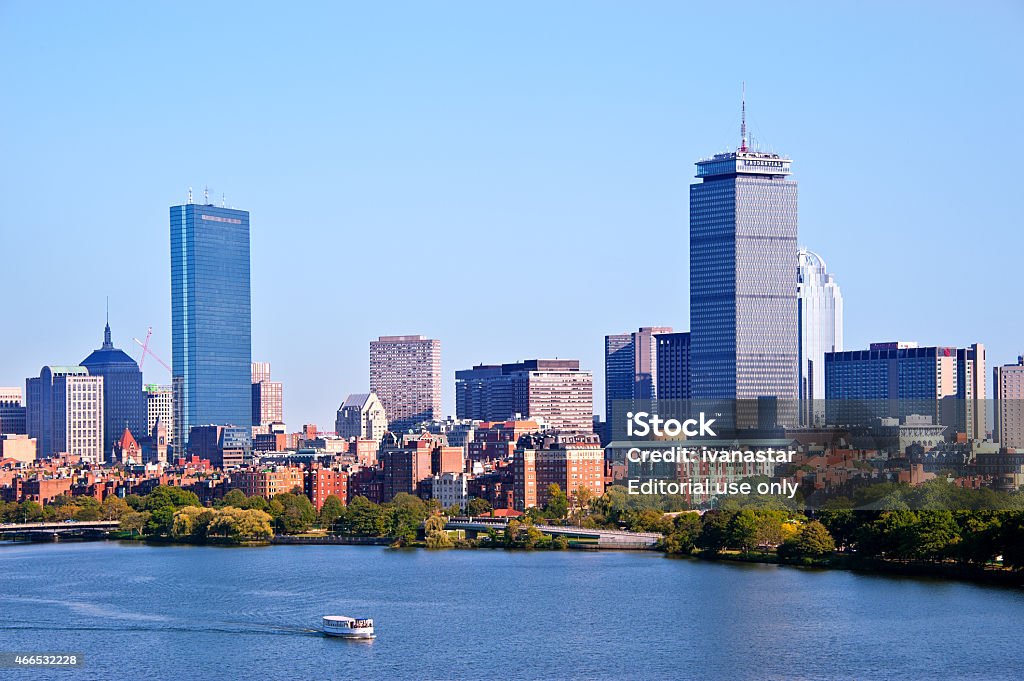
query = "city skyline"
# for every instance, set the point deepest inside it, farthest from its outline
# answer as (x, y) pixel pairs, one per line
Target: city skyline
(854, 208)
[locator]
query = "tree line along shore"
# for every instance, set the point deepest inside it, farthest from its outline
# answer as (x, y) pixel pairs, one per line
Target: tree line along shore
(887, 527)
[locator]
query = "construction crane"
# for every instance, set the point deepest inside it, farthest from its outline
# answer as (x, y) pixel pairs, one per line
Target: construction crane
(145, 350)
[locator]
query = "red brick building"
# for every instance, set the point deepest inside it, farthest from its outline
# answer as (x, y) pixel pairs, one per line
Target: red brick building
(571, 461)
(321, 483)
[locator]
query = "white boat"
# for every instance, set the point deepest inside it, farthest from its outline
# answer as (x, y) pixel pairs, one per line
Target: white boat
(348, 627)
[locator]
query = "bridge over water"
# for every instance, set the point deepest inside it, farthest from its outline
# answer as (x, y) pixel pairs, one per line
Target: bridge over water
(55, 530)
(602, 539)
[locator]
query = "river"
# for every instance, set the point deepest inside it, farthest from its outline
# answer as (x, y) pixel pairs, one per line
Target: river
(182, 612)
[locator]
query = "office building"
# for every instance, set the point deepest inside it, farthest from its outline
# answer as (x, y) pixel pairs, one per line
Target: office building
(630, 371)
(267, 397)
(65, 413)
(743, 277)
(159, 406)
(571, 461)
(361, 416)
(1008, 389)
(124, 404)
(673, 364)
(12, 412)
(210, 318)
(405, 374)
(554, 391)
(820, 317)
(899, 379)
(223, 446)
(267, 403)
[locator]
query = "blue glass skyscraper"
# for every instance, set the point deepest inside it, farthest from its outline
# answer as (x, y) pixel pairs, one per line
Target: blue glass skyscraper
(743, 278)
(210, 318)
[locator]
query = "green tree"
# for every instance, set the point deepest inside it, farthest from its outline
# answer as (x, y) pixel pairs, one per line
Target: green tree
(86, 509)
(436, 536)
(512, 530)
(934, 536)
(979, 536)
(813, 541)
(714, 531)
(136, 502)
(532, 537)
(842, 524)
(114, 508)
(1011, 539)
(235, 497)
(682, 539)
(134, 522)
(743, 530)
(190, 522)
(29, 512)
(405, 513)
(478, 507)
(330, 511)
(297, 513)
(363, 518)
(175, 497)
(558, 502)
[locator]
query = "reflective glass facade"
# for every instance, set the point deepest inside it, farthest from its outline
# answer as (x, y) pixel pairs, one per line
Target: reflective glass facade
(743, 278)
(210, 318)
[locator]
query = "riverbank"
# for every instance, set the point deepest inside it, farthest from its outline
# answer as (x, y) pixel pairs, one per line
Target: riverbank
(851, 563)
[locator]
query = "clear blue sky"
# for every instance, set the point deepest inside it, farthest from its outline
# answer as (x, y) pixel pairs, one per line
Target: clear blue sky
(508, 177)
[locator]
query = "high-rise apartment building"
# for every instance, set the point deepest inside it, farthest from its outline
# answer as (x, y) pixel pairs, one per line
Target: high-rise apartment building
(820, 316)
(210, 318)
(361, 416)
(124, 403)
(12, 412)
(743, 277)
(630, 370)
(554, 391)
(65, 413)
(159, 405)
(405, 373)
(1008, 388)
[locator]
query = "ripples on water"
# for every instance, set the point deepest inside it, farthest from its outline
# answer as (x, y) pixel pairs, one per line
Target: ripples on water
(179, 612)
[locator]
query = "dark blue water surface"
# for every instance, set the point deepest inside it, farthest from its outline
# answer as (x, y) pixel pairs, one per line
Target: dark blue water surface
(179, 612)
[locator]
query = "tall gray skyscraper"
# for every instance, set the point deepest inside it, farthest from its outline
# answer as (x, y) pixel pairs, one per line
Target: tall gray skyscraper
(820, 315)
(743, 277)
(210, 318)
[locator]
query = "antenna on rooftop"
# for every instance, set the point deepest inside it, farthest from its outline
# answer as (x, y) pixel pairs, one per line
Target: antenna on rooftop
(223, 203)
(190, 194)
(743, 119)
(206, 195)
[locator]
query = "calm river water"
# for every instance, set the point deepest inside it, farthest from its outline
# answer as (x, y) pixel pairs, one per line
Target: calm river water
(179, 612)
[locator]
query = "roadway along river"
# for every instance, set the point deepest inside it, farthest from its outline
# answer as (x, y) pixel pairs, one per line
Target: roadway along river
(179, 612)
